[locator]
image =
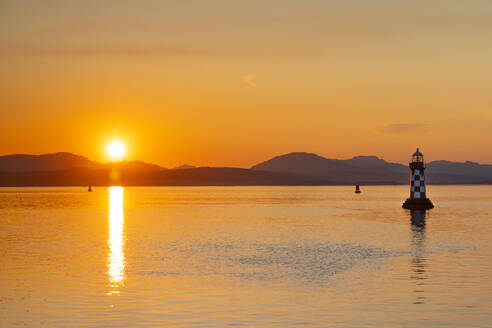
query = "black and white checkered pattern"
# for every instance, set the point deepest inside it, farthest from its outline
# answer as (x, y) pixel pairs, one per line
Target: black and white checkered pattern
(417, 184)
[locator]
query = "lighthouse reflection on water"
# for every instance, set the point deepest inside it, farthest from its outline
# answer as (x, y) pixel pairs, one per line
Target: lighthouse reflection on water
(419, 259)
(116, 241)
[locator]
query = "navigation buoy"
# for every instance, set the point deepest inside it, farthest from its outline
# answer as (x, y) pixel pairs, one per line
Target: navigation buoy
(418, 199)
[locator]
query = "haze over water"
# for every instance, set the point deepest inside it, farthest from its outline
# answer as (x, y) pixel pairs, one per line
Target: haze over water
(244, 256)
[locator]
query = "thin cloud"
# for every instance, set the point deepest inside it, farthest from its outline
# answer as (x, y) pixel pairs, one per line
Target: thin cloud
(405, 128)
(249, 80)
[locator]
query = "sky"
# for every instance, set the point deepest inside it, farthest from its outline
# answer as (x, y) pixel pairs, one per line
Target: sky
(233, 83)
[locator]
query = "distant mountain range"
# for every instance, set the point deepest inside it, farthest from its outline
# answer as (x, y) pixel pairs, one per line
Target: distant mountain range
(373, 170)
(66, 169)
(361, 169)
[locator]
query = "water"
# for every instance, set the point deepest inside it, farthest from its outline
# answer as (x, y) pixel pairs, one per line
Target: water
(244, 256)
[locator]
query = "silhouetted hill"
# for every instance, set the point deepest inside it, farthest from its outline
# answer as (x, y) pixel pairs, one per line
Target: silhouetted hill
(64, 161)
(455, 172)
(371, 169)
(134, 166)
(46, 162)
(184, 167)
(361, 169)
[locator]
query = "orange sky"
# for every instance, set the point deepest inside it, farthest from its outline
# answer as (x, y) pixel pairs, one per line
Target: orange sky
(234, 83)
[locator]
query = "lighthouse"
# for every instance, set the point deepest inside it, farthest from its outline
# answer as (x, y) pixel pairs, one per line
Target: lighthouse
(418, 199)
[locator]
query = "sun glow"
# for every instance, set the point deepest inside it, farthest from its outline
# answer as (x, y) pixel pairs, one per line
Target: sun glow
(116, 149)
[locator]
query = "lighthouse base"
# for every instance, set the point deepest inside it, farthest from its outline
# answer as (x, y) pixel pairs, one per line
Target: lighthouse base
(418, 204)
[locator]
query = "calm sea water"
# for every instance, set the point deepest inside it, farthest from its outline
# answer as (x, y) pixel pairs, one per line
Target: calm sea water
(244, 256)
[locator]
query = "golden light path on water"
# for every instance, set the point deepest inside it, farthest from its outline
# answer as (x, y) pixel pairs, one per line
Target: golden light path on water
(116, 255)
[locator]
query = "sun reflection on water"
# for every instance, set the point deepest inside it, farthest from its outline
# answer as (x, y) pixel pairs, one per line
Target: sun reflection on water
(116, 256)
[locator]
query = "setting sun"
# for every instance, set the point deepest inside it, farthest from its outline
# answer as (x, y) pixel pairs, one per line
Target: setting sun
(116, 149)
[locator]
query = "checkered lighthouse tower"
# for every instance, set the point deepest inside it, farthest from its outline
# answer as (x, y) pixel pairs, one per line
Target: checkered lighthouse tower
(418, 198)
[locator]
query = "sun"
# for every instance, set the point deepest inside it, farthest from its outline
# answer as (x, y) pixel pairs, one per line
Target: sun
(116, 149)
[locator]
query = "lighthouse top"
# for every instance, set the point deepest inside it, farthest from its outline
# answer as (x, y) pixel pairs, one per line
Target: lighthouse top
(417, 157)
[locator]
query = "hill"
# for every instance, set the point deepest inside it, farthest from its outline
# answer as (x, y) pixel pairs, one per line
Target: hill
(447, 172)
(372, 170)
(361, 169)
(46, 162)
(184, 167)
(64, 161)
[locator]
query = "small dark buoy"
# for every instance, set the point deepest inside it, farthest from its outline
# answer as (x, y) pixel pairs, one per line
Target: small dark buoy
(90, 189)
(357, 189)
